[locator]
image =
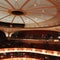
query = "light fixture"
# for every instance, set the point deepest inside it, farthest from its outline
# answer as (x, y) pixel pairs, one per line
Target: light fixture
(35, 4)
(56, 40)
(43, 11)
(16, 0)
(58, 37)
(17, 12)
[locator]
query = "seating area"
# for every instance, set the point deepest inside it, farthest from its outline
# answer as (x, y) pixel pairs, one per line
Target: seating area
(36, 34)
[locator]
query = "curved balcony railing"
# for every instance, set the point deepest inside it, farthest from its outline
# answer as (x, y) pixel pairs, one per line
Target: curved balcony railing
(27, 53)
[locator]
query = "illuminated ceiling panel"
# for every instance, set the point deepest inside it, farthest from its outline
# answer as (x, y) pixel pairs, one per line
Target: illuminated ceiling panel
(28, 12)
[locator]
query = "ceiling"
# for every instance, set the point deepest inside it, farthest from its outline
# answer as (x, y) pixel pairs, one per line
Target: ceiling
(31, 13)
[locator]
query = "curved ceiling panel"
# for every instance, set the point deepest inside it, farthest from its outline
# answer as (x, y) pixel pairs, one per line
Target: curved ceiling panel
(28, 12)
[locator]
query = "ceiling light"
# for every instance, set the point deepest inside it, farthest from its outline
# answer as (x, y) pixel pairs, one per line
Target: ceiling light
(46, 25)
(24, 58)
(46, 57)
(2, 56)
(15, 49)
(16, 0)
(35, 4)
(11, 56)
(43, 11)
(36, 18)
(33, 50)
(10, 25)
(58, 37)
(56, 40)
(17, 12)
(55, 53)
(6, 50)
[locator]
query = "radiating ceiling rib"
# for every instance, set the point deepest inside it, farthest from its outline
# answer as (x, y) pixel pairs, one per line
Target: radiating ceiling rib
(38, 17)
(4, 7)
(31, 12)
(17, 4)
(22, 19)
(10, 4)
(4, 10)
(32, 5)
(13, 19)
(41, 7)
(5, 16)
(55, 6)
(32, 20)
(24, 4)
(53, 2)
